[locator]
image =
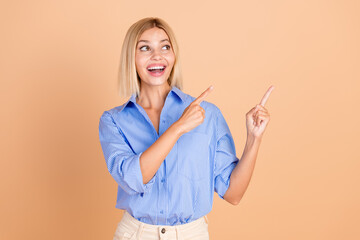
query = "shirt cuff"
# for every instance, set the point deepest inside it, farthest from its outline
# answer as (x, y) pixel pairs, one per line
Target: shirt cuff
(222, 182)
(222, 187)
(136, 176)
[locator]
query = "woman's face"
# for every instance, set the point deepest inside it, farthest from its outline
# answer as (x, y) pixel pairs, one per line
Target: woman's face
(154, 57)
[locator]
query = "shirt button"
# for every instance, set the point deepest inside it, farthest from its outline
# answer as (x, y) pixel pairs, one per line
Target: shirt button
(161, 211)
(163, 230)
(163, 180)
(163, 121)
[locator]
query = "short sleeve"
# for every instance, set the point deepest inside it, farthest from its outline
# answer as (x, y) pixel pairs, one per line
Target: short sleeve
(225, 155)
(122, 163)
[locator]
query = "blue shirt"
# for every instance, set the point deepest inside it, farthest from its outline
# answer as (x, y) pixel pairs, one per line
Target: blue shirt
(182, 189)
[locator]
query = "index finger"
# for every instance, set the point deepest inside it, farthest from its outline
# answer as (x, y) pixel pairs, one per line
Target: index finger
(200, 98)
(266, 96)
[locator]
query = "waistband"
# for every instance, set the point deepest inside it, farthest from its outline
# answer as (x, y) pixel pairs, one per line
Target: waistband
(185, 226)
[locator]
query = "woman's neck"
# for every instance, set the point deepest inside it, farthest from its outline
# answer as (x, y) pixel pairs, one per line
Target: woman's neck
(153, 97)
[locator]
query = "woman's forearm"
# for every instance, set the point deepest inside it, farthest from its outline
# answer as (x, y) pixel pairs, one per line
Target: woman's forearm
(152, 158)
(241, 175)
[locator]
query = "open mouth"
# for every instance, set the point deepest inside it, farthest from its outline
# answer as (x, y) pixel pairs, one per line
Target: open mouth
(157, 69)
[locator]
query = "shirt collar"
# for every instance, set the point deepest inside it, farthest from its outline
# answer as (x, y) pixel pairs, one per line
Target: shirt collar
(179, 93)
(174, 89)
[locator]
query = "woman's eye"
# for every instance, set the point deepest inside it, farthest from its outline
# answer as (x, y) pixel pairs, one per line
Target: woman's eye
(143, 47)
(167, 46)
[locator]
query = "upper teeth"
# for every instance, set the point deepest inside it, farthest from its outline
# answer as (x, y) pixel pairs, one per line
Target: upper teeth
(157, 67)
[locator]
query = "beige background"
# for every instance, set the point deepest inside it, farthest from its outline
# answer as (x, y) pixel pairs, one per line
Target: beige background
(59, 62)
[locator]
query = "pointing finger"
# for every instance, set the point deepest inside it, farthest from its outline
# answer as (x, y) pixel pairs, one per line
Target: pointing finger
(199, 99)
(266, 96)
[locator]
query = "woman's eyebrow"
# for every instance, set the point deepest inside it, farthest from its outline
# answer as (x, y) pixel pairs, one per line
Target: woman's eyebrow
(149, 41)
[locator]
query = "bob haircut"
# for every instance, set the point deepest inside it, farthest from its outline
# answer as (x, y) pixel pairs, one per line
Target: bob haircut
(128, 79)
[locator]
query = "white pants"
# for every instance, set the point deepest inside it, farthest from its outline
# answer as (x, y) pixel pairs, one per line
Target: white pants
(129, 228)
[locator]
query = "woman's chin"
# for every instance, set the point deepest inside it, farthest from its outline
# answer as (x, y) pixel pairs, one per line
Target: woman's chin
(155, 81)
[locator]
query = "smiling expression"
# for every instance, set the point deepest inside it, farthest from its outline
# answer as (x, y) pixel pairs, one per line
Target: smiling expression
(154, 57)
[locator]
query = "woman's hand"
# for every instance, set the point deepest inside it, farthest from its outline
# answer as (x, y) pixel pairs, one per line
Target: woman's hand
(258, 117)
(194, 114)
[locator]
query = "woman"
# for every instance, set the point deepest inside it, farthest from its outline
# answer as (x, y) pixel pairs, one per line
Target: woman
(167, 150)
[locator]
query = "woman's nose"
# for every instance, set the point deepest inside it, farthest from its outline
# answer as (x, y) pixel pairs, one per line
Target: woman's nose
(156, 54)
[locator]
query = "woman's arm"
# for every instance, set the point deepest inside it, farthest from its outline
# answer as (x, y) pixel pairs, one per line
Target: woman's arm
(241, 175)
(152, 158)
(256, 121)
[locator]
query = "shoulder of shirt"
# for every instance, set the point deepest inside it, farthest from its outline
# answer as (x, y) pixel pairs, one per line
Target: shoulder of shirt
(114, 110)
(205, 104)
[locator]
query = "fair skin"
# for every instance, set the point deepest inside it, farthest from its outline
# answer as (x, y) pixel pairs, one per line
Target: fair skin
(256, 121)
(154, 48)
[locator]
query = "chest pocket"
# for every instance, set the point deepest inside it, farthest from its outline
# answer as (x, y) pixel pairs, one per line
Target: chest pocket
(193, 155)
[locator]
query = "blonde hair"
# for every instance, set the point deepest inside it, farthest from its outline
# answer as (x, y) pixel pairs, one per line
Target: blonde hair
(128, 79)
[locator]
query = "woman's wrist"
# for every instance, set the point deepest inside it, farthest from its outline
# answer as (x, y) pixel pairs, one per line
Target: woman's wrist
(253, 140)
(177, 128)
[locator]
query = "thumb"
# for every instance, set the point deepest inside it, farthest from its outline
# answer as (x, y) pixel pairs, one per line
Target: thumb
(251, 112)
